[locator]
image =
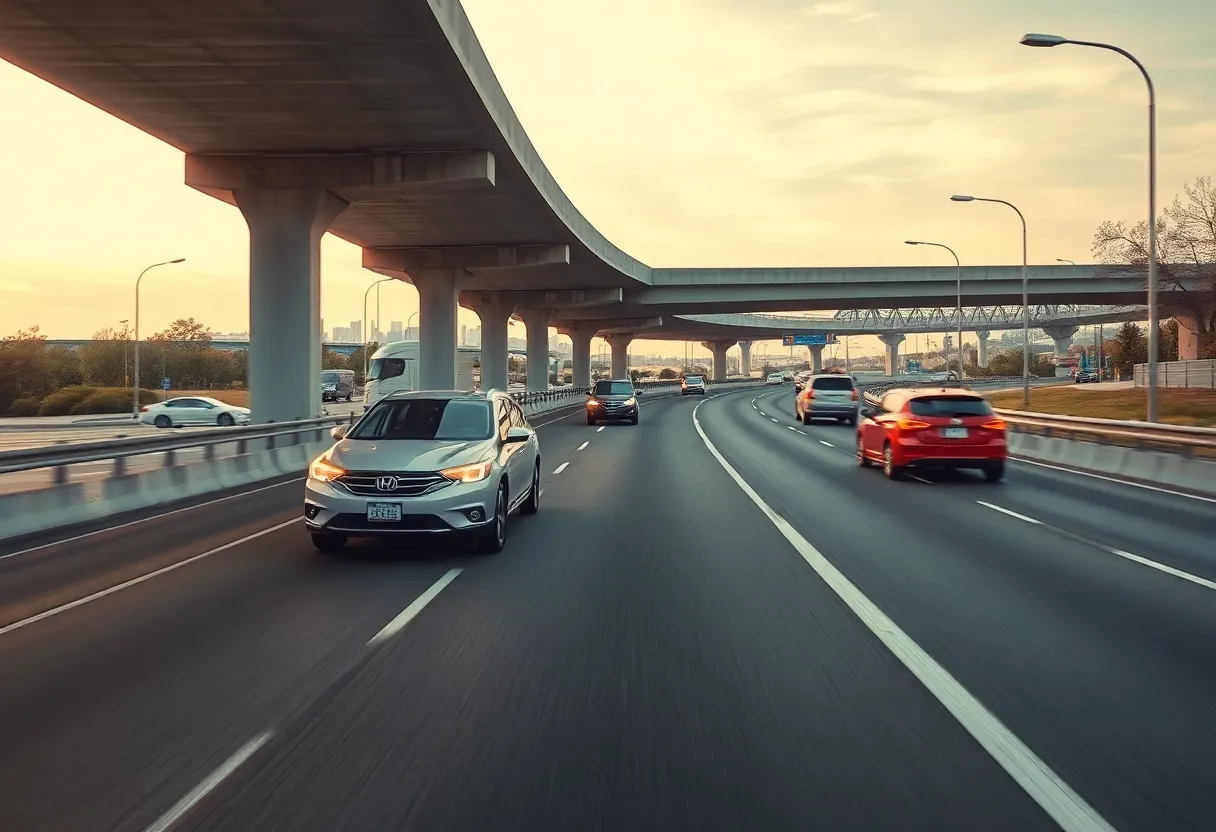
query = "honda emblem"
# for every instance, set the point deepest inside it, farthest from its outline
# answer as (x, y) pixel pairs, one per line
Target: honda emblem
(956, 421)
(386, 483)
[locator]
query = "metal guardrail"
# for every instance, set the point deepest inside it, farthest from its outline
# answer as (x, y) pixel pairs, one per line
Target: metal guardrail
(1180, 439)
(59, 457)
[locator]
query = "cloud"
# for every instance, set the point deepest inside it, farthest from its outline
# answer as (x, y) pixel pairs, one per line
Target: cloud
(852, 11)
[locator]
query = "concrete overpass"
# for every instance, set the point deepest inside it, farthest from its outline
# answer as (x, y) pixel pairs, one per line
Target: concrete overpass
(384, 124)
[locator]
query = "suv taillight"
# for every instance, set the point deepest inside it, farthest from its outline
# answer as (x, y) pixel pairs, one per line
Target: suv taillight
(854, 394)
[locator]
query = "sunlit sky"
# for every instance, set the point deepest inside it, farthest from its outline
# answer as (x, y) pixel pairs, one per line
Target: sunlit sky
(691, 133)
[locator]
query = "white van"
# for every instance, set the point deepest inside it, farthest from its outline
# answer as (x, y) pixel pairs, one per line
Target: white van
(394, 367)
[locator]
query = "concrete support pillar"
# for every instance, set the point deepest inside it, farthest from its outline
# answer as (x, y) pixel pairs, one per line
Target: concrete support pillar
(1062, 337)
(580, 342)
(285, 229)
(718, 348)
(437, 293)
(981, 352)
(745, 358)
(495, 310)
(620, 353)
(816, 357)
(892, 340)
(537, 323)
(1188, 337)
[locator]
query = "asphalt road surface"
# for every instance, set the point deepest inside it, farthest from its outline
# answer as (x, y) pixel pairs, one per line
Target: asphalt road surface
(754, 636)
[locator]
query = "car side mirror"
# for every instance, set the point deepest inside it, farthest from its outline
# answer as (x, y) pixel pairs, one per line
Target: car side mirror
(517, 435)
(637, 391)
(338, 432)
(867, 412)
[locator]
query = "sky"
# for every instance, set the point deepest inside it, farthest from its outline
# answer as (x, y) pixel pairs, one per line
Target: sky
(691, 133)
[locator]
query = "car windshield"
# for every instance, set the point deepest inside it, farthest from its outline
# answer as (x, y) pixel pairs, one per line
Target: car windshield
(330, 377)
(385, 368)
(833, 383)
(694, 380)
(613, 388)
(950, 406)
(426, 419)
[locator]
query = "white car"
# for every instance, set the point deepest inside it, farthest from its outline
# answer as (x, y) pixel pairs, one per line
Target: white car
(775, 378)
(193, 410)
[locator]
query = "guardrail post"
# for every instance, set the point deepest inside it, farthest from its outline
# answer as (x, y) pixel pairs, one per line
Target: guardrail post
(120, 466)
(59, 475)
(170, 458)
(208, 452)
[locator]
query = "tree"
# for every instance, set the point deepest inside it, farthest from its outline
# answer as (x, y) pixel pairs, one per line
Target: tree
(668, 373)
(63, 367)
(23, 367)
(331, 360)
(1167, 341)
(1128, 348)
(103, 361)
(1186, 249)
(186, 329)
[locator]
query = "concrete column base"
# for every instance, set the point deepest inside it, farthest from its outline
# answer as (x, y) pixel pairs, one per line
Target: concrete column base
(537, 323)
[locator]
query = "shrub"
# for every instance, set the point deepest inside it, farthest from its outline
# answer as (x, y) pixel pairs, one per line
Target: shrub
(61, 402)
(24, 407)
(104, 400)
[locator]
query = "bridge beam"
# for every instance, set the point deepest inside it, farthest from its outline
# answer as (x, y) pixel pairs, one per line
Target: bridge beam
(396, 262)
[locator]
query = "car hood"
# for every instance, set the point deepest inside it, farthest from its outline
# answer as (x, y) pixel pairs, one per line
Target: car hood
(614, 398)
(408, 454)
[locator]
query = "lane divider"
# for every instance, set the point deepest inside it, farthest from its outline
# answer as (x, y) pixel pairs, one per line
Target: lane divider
(560, 468)
(582, 446)
(1143, 561)
(418, 605)
(192, 798)
(1027, 769)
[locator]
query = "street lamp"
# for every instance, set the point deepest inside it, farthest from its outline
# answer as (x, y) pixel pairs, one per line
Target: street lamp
(1025, 295)
(366, 360)
(959, 270)
(1057, 40)
(135, 381)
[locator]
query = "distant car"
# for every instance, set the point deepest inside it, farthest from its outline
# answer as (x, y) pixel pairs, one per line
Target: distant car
(827, 395)
(943, 428)
(800, 379)
(1086, 377)
(193, 410)
(613, 400)
(425, 463)
(337, 384)
(775, 378)
(692, 384)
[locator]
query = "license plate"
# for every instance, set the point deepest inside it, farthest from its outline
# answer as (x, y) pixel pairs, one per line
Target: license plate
(384, 512)
(954, 433)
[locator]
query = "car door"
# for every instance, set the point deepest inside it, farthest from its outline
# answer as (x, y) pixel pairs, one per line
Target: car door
(526, 457)
(509, 452)
(184, 411)
(876, 428)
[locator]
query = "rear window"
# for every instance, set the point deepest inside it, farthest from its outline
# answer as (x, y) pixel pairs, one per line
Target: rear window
(613, 388)
(950, 406)
(426, 419)
(832, 383)
(694, 380)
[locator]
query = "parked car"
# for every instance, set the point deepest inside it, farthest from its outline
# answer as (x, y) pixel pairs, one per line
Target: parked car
(941, 428)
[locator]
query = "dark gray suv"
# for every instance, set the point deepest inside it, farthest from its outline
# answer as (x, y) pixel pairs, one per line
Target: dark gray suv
(613, 401)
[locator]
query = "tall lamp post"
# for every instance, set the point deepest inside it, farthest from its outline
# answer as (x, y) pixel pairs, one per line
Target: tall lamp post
(959, 306)
(135, 381)
(366, 358)
(1057, 40)
(1025, 295)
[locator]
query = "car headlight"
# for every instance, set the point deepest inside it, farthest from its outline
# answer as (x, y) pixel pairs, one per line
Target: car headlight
(469, 473)
(323, 470)
(592, 403)
(630, 402)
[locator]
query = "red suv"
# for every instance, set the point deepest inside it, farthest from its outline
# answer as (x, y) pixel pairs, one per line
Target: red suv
(939, 428)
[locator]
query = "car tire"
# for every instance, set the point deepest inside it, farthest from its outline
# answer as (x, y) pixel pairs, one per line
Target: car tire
(330, 544)
(591, 420)
(994, 471)
(862, 459)
(163, 422)
(634, 419)
(225, 420)
(532, 504)
(493, 536)
(853, 421)
(893, 471)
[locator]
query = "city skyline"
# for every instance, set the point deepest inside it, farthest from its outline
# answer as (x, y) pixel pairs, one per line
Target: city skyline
(894, 121)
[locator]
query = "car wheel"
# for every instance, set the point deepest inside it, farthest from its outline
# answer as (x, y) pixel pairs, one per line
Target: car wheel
(226, 420)
(328, 543)
(994, 471)
(591, 420)
(853, 421)
(163, 422)
(862, 459)
(493, 536)
(532, 504)
(893, 471)
(633, 419)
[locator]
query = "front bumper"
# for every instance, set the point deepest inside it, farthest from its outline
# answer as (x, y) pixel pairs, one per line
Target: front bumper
(612, 413)
(330, 508)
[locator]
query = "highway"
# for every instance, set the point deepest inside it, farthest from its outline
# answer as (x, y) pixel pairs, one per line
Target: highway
(716, 621)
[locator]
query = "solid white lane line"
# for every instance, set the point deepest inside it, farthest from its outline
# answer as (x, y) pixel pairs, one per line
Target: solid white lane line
(192, 798)
(409, 613)
(829, 444)
(585, 444)
(1045, 787)
(600, 428)
(1143, 561)
(1113, 479)
(560, 468)
(96, 532)
(33, 619)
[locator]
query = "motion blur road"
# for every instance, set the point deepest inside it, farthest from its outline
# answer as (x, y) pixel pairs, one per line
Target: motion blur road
(661, 647)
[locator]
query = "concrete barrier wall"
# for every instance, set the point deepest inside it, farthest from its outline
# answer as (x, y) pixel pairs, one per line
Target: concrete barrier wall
(1154, 467)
